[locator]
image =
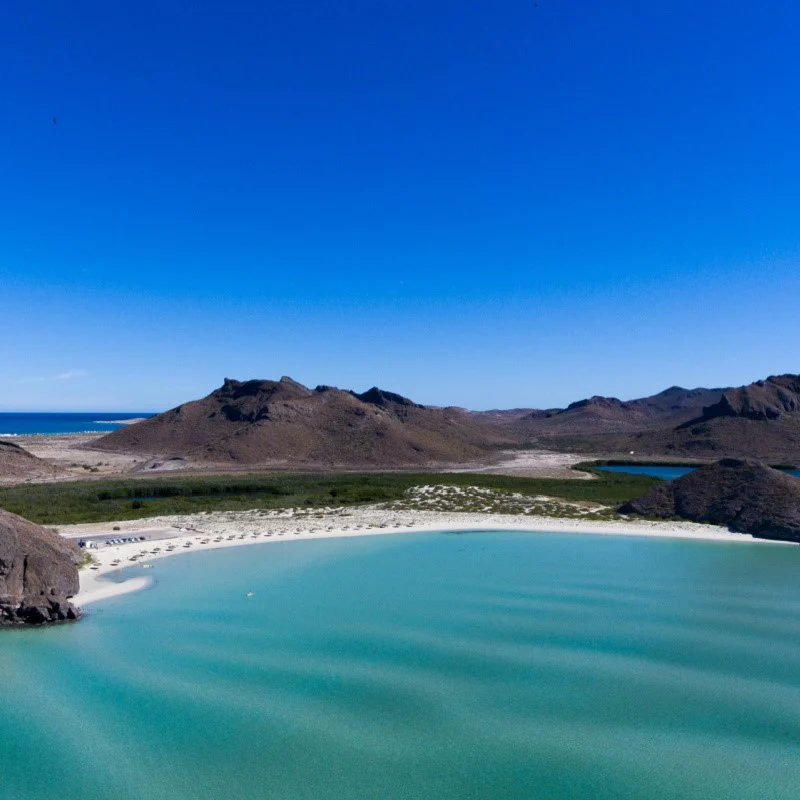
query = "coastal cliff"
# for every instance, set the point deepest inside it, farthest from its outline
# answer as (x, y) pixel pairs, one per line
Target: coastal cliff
(38, 573)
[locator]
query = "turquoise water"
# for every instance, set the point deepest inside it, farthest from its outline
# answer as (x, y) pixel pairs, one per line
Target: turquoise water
(94, 422)
(665, 473)
(477, 666)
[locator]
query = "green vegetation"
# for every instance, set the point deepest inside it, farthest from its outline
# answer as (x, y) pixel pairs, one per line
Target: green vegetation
(106, 500)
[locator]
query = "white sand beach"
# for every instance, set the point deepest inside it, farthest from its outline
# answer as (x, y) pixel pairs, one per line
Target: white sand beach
(172, 536)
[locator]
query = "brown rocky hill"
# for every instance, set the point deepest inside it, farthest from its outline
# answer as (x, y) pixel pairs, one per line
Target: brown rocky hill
(38, 573)
(774, 398)
(746, 495)
(18, 466)
(283, 424)
(671, 407)
(602, 415)
(761, 420)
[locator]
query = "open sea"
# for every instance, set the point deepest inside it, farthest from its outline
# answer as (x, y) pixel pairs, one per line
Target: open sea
(13, 424)
(479, 666)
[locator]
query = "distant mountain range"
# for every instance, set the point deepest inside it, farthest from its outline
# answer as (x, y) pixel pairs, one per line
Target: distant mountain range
(761, 420)
(284, 424)
(669, 408)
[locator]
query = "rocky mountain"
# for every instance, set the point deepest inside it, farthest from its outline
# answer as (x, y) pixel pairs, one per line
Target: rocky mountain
(283, 424)
(761, 420)
(38, 573)
(601, 415)
(746, 495)
(671, 407)
(770, 399)
(18, 466)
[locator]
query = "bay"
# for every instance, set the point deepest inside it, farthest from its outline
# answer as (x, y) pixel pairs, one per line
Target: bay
(480, 665)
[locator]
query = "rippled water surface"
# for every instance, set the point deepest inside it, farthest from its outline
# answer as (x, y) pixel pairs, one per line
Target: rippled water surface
(487, 665)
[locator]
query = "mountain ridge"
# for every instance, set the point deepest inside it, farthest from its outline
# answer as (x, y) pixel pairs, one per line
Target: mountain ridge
(285, 424)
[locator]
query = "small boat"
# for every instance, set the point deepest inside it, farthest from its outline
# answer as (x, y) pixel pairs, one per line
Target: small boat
(249, 594)
(147, 566)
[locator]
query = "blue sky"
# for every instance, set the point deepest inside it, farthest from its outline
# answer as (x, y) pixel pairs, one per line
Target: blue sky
(489, 205)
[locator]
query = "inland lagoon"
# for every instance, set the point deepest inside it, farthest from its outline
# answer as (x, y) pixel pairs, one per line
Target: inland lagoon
(666, 473)
(481, 665)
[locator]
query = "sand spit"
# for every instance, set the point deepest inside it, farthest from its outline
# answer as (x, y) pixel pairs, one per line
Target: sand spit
(162, 537)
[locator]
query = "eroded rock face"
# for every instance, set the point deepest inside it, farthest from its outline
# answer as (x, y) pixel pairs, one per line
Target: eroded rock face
(746, 495)
(38, 573)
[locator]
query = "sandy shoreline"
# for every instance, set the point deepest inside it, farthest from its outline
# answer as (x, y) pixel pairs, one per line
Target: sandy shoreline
(212, 531)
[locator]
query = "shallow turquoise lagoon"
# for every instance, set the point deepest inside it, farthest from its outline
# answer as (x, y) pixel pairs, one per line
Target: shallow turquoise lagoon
(483, 665)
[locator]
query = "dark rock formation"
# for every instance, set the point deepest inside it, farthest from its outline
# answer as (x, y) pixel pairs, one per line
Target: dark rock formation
(746, 495)
(380, 397)
(38, 573)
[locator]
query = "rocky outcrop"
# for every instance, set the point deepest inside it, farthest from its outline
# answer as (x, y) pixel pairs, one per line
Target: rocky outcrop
(380, 397)
(38, 573)
(745, 495)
